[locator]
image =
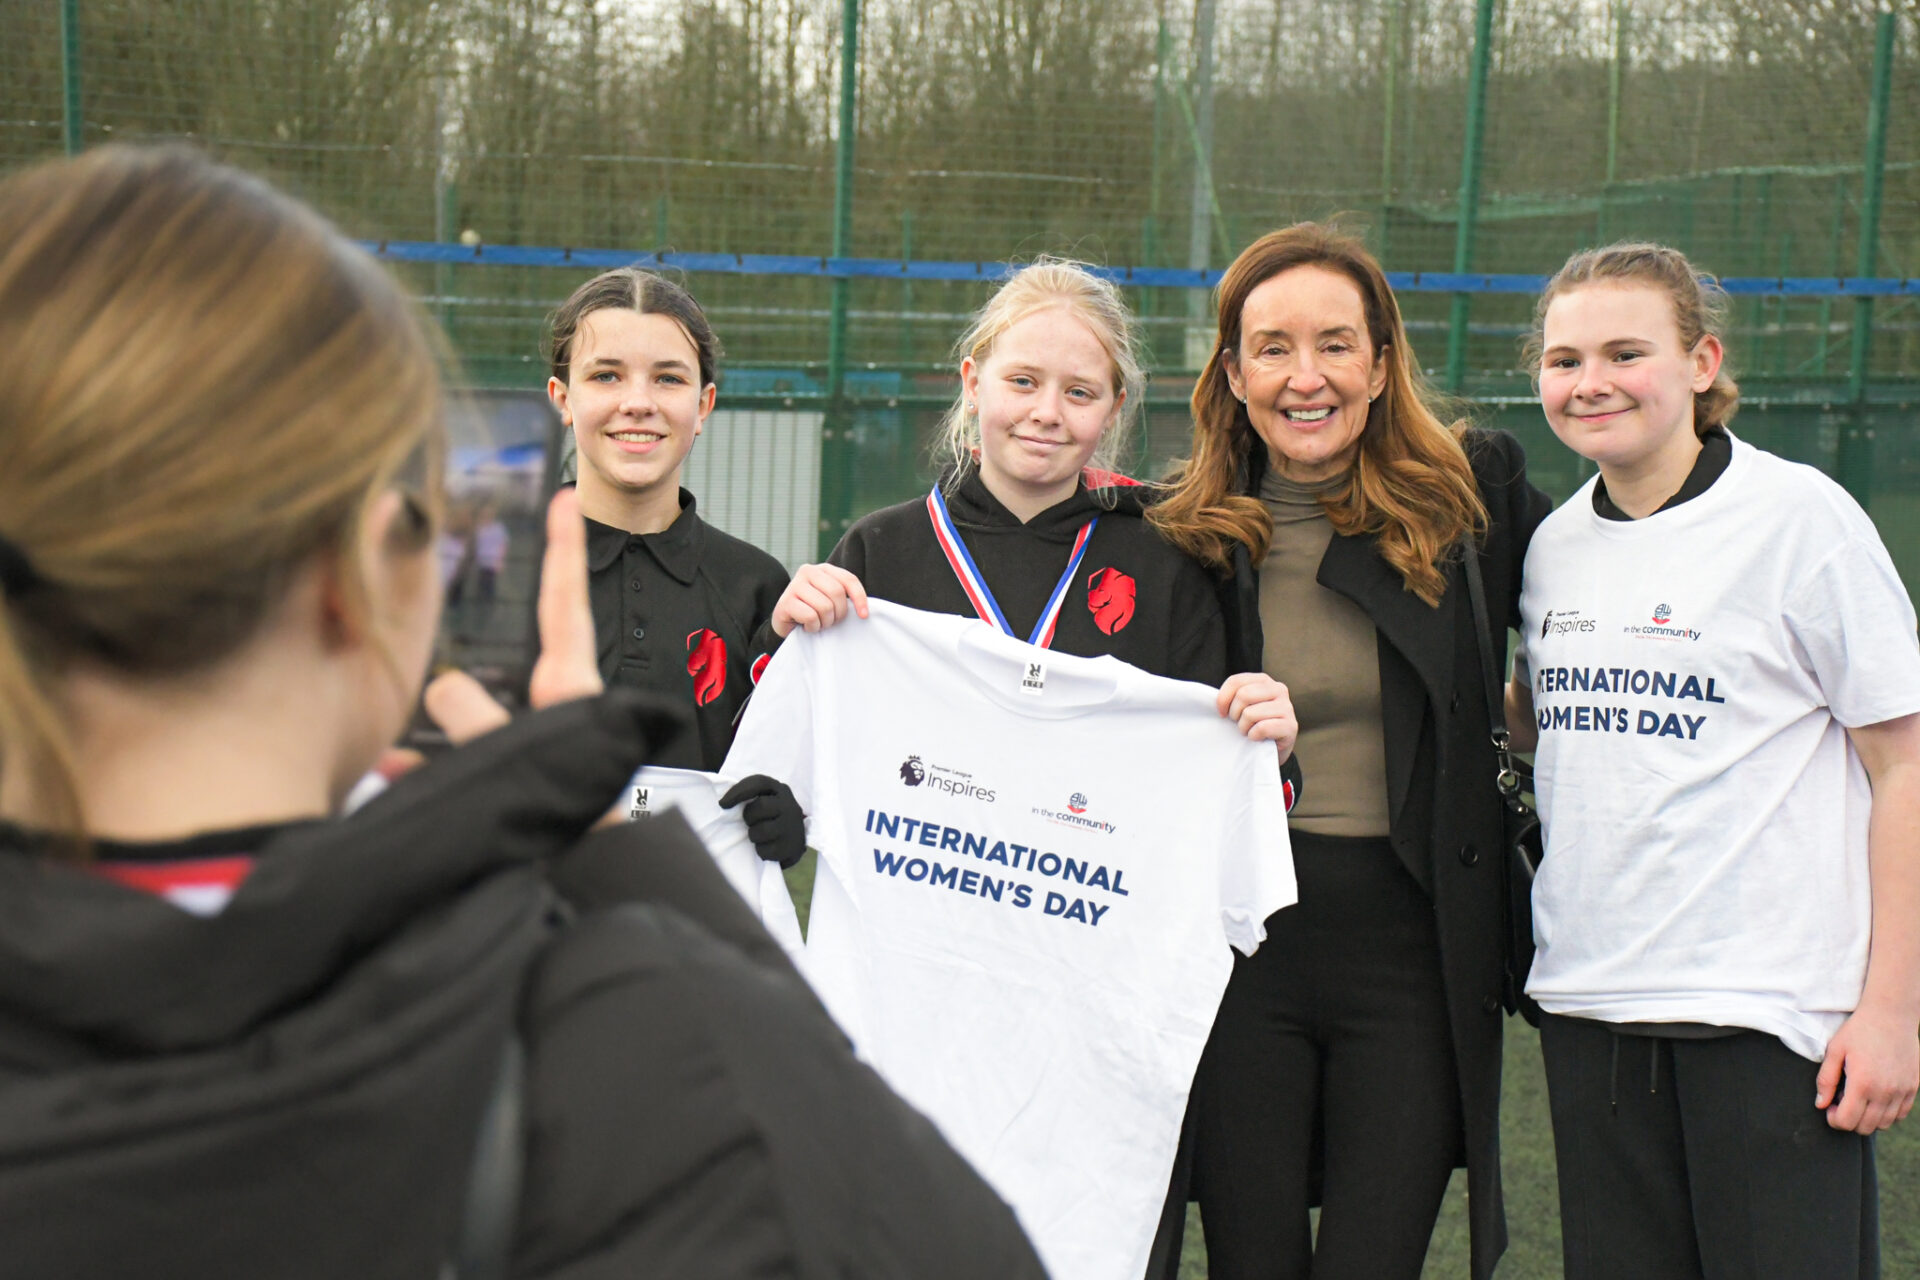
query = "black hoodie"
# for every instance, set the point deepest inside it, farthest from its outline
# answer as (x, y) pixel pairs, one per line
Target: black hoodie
(290, 1087)
(1133, 596)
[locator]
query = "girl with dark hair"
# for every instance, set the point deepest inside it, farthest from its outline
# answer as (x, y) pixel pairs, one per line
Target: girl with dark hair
(1363, 1040)
(1721, 675)
(676, 602)
(634, 373)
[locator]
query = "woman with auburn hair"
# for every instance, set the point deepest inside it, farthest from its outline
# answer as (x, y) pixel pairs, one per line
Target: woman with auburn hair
(243, 1034)
(1367, 1029)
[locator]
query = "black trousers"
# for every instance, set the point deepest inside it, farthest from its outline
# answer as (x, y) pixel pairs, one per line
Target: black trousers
(1335, 1031)
(1702, 1160)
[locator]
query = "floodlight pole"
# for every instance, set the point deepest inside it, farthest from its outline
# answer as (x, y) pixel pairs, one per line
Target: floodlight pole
(836, 431)
(70, 74)
(1855, 463)
(1615, 69)
(1469, 191)
(1200, 225)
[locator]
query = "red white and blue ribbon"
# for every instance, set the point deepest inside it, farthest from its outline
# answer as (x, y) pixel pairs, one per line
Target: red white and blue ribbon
(979, 595)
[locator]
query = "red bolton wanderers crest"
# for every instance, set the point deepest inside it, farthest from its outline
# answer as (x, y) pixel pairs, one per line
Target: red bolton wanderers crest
(1110, 597)
(707, 664)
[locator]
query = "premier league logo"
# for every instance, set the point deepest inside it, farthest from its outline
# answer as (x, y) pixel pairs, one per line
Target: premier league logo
(913, 773)
(1662, 614)
(1076, 803)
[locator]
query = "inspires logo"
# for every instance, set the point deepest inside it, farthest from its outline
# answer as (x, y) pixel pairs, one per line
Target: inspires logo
(1076, 803)
(1559, 623)
(938, 777)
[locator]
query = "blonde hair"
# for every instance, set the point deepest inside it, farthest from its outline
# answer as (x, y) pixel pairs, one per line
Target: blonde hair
(1699, 311)
(202, 386)
(1410, 486)
(1044, 283)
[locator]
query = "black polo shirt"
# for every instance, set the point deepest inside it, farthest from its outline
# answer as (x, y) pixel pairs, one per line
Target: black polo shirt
(1716, 451)
(675, 613)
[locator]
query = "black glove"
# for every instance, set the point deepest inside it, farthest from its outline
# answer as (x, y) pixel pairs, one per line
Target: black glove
(774, 822)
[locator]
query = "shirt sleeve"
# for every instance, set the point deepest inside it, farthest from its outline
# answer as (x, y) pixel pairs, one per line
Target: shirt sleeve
(775, 736)
(848, 554)
(1853, 622)
(1256, 860)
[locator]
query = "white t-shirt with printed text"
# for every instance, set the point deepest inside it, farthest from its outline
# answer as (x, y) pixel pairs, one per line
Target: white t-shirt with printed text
(696, 796)
(1032, 867)
(1693, 675)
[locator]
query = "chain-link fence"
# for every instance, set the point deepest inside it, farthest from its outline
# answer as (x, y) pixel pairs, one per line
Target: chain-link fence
(1777, 141)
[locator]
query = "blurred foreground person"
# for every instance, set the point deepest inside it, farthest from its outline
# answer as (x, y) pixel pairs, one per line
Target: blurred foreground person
(460, 1033)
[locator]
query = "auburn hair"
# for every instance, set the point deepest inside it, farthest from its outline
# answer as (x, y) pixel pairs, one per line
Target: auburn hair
(1410, 486)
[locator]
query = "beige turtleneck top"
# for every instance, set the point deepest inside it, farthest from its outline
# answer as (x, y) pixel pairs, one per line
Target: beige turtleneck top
(1325, 650)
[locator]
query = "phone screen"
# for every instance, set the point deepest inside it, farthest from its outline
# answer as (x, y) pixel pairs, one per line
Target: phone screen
(503, 465)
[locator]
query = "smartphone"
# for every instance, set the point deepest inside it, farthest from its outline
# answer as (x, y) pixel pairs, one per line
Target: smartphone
(504, 463)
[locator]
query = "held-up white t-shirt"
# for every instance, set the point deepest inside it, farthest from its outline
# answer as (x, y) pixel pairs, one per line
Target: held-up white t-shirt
(1693, 677)
(1031, 868)
(697, 796)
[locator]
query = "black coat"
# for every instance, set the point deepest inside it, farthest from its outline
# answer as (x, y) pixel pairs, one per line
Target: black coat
(1444, 814)
(291, 1087)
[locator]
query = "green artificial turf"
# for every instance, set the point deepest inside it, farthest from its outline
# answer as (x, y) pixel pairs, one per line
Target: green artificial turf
(1533, 1207)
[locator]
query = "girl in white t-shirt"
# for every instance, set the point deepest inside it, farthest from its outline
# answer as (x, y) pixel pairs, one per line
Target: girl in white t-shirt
(1720, 675)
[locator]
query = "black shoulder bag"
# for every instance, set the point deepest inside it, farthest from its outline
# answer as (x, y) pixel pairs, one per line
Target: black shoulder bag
(1520, 826)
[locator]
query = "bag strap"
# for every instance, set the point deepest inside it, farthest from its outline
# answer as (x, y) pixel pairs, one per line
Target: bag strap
(485, 1247)
(1508, 778)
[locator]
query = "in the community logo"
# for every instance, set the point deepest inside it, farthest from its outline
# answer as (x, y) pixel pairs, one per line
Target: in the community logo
(1076, 803)
(1662, 614)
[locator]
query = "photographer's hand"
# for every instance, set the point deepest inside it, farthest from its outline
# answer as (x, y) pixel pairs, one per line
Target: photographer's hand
(568, 666)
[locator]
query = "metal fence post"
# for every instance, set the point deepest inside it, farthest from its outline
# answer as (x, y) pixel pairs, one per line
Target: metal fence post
(1855, 463)
(836, 432)
(1204, 208)
(70, 74)
(1469, 191)
(906, 290)
(1615, 70)
(1386, 128)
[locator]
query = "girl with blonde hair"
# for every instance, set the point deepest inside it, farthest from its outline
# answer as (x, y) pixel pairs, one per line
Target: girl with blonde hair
(1358, 1052)
(1050, 383)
